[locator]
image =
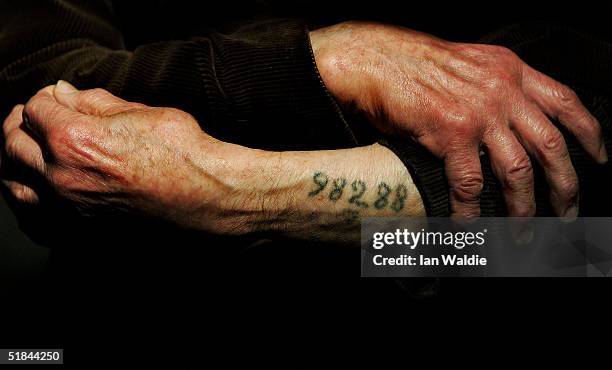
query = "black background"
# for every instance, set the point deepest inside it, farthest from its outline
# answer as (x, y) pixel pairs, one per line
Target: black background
(165, 292)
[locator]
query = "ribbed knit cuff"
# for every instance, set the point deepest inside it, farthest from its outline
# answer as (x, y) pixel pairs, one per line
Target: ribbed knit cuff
(427, 173)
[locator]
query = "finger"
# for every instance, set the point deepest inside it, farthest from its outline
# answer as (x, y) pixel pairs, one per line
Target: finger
(513, 169)
(42, 114)
(13, 120)
(21, 192)
(97, 102)
(22, 149)
(465, 180)
(544, 141)
(561, 102)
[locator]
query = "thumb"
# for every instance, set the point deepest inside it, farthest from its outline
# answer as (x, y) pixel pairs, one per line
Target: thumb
(97, 102)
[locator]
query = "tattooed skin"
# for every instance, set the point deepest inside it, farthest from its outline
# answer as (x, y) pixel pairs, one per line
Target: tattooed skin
(359, 195)
(351, 216)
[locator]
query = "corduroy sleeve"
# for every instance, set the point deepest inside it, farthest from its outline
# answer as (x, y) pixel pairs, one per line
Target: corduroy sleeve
(255, 85)
(428, 174)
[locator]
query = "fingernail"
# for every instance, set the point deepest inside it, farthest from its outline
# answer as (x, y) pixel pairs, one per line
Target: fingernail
(603, 153)
(64, 87)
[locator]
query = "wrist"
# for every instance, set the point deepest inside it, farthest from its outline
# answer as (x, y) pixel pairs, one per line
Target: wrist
(235, 181)
(339, 54)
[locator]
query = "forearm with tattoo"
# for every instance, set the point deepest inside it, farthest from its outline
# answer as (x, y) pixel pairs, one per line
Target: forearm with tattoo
(323, 195)
(109, 154)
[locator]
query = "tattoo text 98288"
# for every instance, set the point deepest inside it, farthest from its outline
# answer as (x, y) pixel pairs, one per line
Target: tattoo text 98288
(385, 196)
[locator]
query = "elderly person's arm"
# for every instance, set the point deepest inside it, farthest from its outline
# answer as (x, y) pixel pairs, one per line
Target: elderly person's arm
(257, 85)
(92, 152)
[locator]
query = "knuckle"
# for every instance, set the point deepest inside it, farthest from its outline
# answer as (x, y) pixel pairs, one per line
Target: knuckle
(567, 97)
(501, 51)
(88, 97)
(5, 124)
(587, 127)
(497, 82)
(552, 146)
(502, 56)
(31, 107)
(93, 97)
(11, 145)
(175, 115)
(14, 147)
(520, 170)
(95, 93)
(502, 68)
(36, 110)
(13, 119)
(461, 121)
(35, 103)
(591, 125)
(568, 187)
(171, 118)
(468, 188)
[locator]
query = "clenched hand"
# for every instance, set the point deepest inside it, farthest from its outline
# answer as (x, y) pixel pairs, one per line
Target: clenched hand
(96, 151)
(457, 98)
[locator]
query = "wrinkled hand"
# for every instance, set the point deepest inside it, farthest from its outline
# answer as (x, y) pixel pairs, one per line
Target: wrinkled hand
(93, 150)
(454, 97)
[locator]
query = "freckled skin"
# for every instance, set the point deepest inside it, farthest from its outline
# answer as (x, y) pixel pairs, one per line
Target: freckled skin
(453, 98)
(103, 154)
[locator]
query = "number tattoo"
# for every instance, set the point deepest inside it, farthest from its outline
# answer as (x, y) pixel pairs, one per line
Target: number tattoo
(359, 188)
(336, 192)
(401, 193)
(320, 179)
(383, 196)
